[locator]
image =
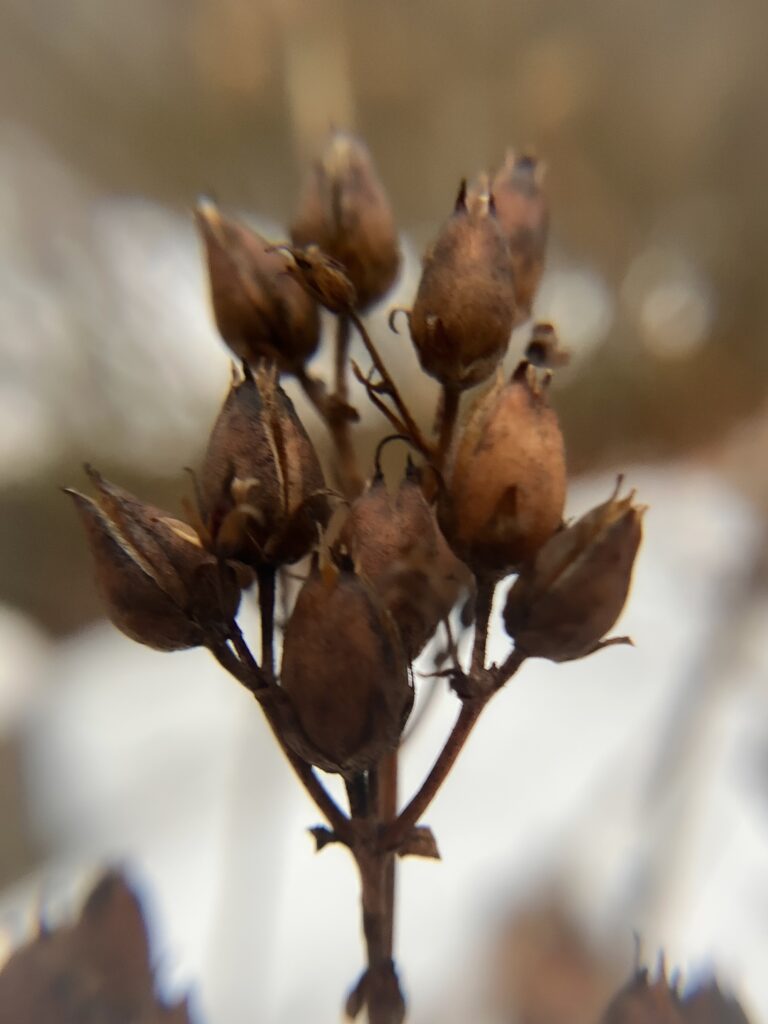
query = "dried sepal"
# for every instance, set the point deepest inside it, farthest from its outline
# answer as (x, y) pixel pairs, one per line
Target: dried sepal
(261, 488)
(505, 481)
(260, 311)
(395, 543)
(562, 605)
(464, 309)
(160, 587)
(345, 672)
(523, 214)
(345, 211)
(321, 276)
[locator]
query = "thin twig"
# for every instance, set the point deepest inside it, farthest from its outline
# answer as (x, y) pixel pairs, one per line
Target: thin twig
(449, 411)
(314, 787)
(337, 416)
(483, 606)
(392, 836)
(266, 581)
(341, 357)
(411, 427)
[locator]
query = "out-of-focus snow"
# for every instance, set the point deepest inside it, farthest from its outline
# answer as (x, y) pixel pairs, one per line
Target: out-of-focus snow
(161, 762)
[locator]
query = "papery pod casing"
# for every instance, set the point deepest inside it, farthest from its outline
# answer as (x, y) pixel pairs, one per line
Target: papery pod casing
(260, 311)
(345, 672)
(345, 211)
(505, 481)
(464, 310)
(159, 586)
(395, 543)
(262, 492)
(562, 605)
(522, 210)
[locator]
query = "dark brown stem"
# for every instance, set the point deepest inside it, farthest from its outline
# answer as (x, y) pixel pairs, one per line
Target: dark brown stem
(483, 606)
(386, 798)
(410, 815)
(254, 681)
(408, 422)
(266, 580)
(383, 997)
(336, 416)
(449, 411)
(341, 357)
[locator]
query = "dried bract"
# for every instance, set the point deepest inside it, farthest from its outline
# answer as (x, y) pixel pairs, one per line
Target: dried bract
(322, 277)
(505, 481)
(523, 213)
(261, 312)
(345, 211)
(564, 604)
(464, 310)
(262, 492)
(395, 543)
(345, 672)
(159, 586)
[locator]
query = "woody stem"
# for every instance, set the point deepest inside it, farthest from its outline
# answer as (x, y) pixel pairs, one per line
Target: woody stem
(266, 582)
(449, 411)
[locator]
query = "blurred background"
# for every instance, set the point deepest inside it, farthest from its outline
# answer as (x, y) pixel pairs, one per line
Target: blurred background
(626, 794)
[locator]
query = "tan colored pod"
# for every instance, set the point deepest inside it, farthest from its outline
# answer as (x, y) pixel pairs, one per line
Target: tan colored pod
(562, 606)
(262, 491)
(462, 318)
(260, 311)
(345, 211)
(345, 672)
(505, 482)
(159, 586)
(395, 543)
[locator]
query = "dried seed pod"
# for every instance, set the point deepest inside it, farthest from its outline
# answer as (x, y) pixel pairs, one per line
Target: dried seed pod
(322, 277)
(523, 214)
(262, 492)
(261, 312)
(345, 672)
(395, 543)
(562, 605)
(159, 585)
(345, 211)
(505, 481)
(642, 1001)
(464, 310)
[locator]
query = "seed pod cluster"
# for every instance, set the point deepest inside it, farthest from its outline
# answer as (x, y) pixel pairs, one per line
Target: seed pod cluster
(345, 211)
(262, 493)
(159, 586)
(523, 214)
(345, 672)
(260, 311)
(395, 543)
(562, 605)
(464, 311)
(505, 481)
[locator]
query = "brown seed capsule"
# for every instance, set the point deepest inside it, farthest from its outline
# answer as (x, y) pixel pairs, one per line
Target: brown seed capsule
(260, 311)
(464, 310)
(523, 214)
(505, 481)
(395, 543)
(562, 605)
(345, 211)
(642, 1001)
(159, 585)
(262, 492)
(345, 672)
(323, 278)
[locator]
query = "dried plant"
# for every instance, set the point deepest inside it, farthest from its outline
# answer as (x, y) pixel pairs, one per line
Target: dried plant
(482, 500)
